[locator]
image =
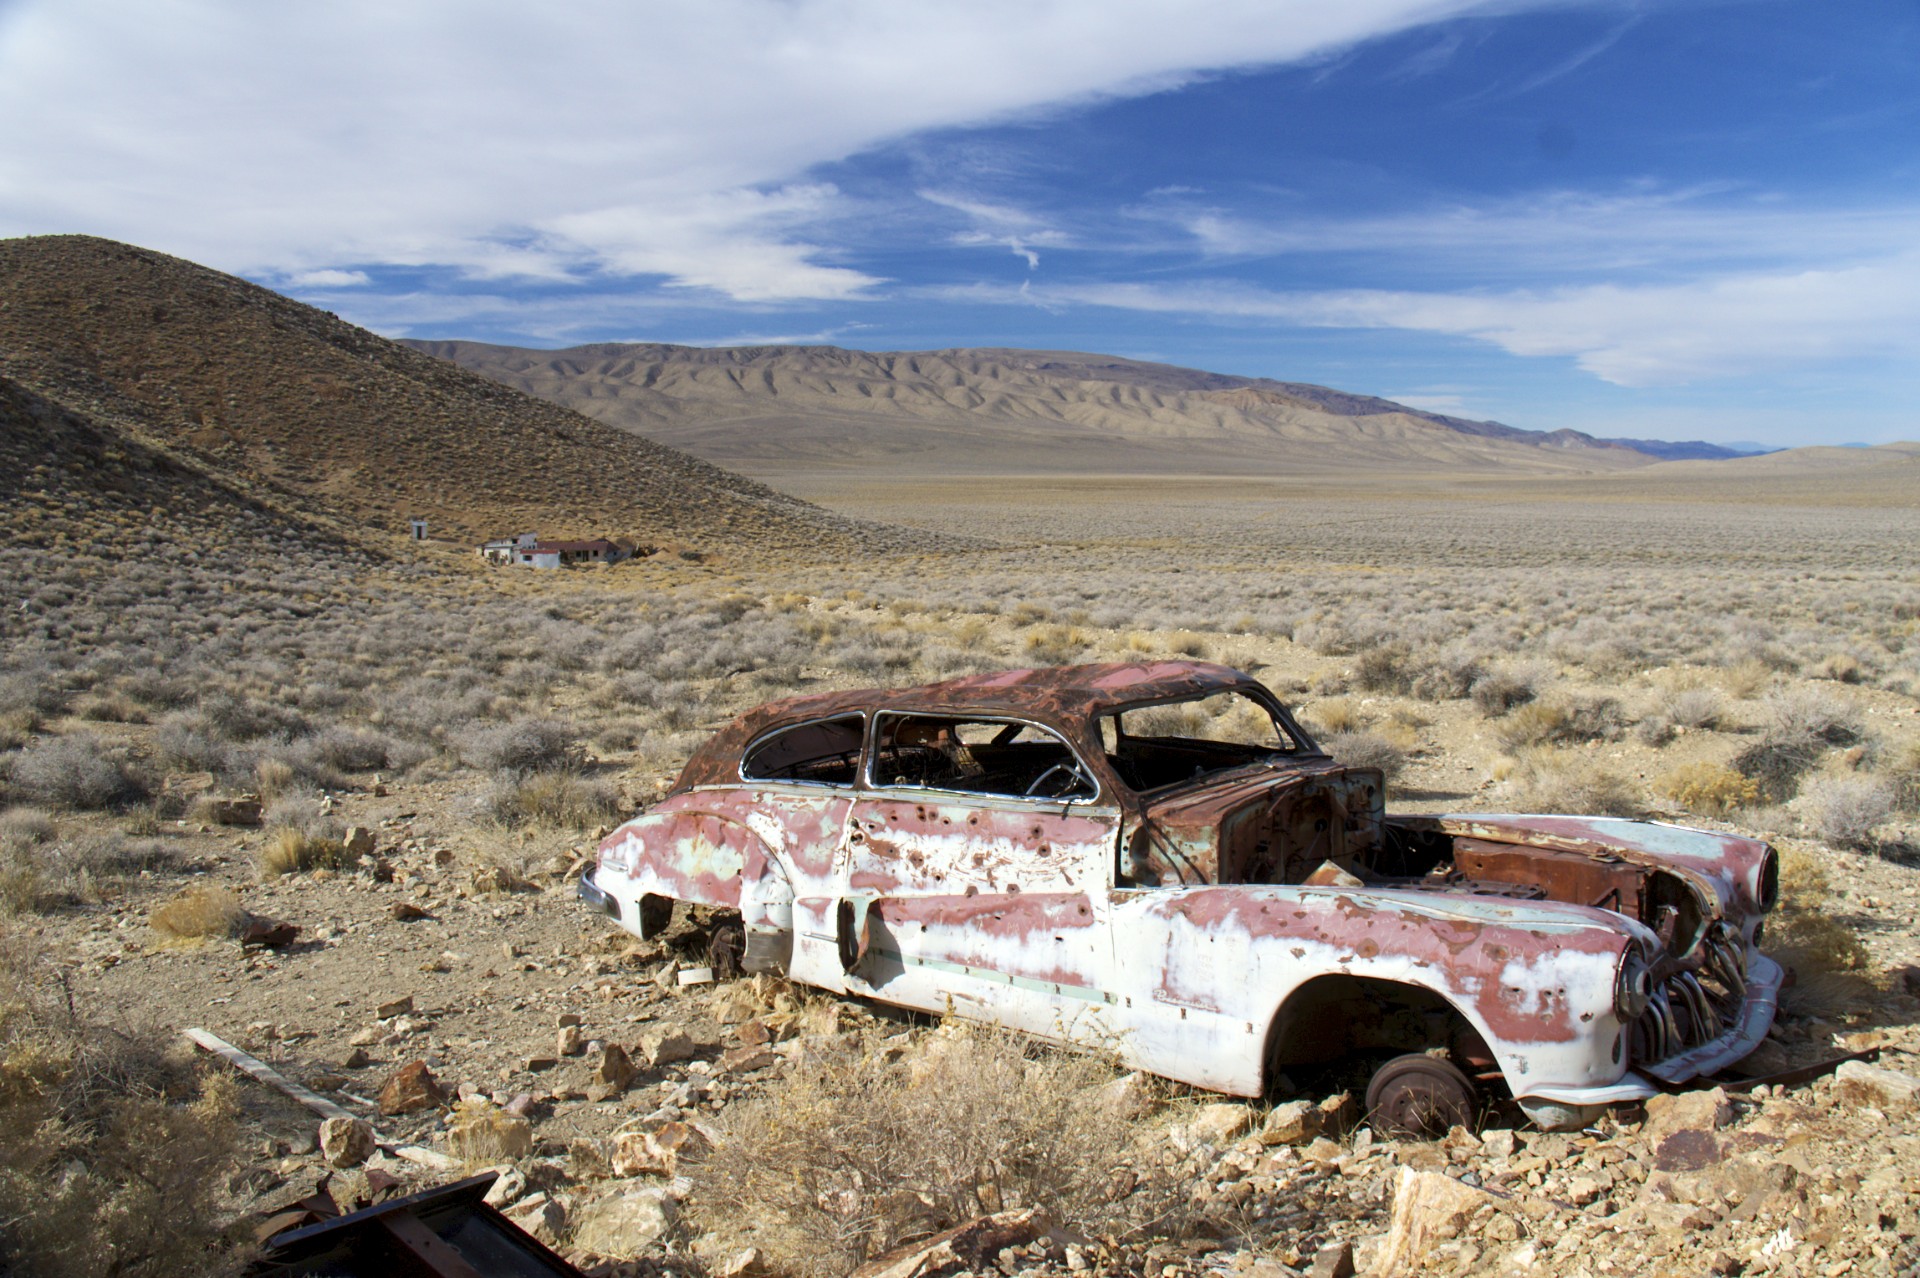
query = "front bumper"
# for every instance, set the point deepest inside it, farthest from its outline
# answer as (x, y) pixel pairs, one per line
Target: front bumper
(1761, 1000)
(596, 896)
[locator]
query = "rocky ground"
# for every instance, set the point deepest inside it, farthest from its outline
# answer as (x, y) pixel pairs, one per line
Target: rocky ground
(463, 1009)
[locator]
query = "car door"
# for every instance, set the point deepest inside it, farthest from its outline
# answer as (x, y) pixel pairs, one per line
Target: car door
(975, 866)
(798, 786)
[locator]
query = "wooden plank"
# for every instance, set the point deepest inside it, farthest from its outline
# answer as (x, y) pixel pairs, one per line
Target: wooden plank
(255, 1068)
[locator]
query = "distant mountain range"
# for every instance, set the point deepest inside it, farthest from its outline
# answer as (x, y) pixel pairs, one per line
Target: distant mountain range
(773, 410)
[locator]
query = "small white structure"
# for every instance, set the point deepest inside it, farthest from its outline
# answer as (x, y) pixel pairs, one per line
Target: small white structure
(419, 527)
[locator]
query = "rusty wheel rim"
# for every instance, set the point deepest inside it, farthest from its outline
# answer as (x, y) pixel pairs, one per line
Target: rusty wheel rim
(1419, 1096)
(724, 951)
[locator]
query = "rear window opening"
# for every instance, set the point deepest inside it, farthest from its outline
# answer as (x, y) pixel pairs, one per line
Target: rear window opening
(1156, 746)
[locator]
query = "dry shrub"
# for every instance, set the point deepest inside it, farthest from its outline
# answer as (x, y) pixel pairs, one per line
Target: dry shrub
(1903, 778)
(866, 1148)
(1709, 788)
(1562, 720)
(1843, 811)
(1814, 715)
(290, 851)
(111, 1158)
(1387, 668)
(273, 777)
(1696, 707)
(1335, 716)
(1365, 749)
(1562, 781)
(73, 772)
(1809, 934)
(200, 913)
(554, 798)
(525, 745)
(1054, 645)
(1499, 691)
(1185, 643)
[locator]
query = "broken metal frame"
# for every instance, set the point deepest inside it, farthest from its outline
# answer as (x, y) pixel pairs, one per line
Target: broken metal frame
(446, 1232)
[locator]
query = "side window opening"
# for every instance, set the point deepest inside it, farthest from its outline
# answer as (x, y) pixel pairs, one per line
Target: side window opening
(823, 752)
(977, 756)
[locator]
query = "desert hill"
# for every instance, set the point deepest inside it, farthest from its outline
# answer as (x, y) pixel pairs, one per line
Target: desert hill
(794, 409)
(69, 482)
(268, 396)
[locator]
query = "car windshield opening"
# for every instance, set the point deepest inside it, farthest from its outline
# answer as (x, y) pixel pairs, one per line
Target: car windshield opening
(1154, 746)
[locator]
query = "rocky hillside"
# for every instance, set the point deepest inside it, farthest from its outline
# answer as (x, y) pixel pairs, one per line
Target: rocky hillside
(778, 408)
(266, 395)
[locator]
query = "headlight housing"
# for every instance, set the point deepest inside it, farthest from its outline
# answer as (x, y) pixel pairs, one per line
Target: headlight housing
(1632, 985)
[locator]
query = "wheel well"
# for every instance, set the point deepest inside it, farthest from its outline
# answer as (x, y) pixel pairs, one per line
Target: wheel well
(1335, 1016)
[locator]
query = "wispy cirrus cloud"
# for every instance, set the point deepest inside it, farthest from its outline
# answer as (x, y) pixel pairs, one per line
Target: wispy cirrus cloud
(1646, 335)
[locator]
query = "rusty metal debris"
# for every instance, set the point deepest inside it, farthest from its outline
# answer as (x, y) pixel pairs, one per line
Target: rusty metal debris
(1156, 860)
(448, 1232)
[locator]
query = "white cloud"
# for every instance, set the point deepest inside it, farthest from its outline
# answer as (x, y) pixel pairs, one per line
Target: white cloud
(328, 278)
(1567, 232)
(1632, 336)
(510, 139)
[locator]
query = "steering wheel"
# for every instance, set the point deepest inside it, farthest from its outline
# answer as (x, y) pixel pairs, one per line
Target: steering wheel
(1039, 783)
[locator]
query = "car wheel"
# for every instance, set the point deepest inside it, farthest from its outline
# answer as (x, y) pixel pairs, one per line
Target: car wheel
(724, 950)
(1419, 1095)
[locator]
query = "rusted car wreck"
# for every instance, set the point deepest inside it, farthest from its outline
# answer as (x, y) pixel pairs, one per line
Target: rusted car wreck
(1157, 860)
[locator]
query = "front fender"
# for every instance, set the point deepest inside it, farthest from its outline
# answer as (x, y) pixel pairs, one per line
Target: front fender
(1535, 980)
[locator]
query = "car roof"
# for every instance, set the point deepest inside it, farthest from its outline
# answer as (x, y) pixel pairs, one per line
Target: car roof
(1058, 695)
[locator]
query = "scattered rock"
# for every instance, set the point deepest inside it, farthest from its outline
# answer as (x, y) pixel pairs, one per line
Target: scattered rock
(509, 1186)
(613, 1068)
(1335, 1260)
(667, 1048)
(1680, 1128)
(259, 933)
(489, 1135)
(1131, 1096)
(407, 912)
(359, 841)
(627, 1225)
(540, 1214)
(658, 1152)
(1217, 1125)
(539, 1064)
(1887, 1090)
(975, 1245)
(1499, 1142)
(394, 1007)
(1428, 1208)
(744, 1060)
(242, 812)
(1293, 1122)
(569, 1041)
(747, 1263)
(566, 1019)
(346, 1142)
(409, 1089)
(356, 1059)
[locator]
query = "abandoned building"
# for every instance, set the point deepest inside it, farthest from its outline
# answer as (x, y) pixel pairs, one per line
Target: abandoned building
(527, 550)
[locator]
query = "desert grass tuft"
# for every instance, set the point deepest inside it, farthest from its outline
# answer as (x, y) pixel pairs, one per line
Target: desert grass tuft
(1710, 789)
(290, 851)
(1810, 933)
(200, 913)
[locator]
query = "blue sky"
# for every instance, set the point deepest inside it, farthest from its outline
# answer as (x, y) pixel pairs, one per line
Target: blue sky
(1670, 220)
